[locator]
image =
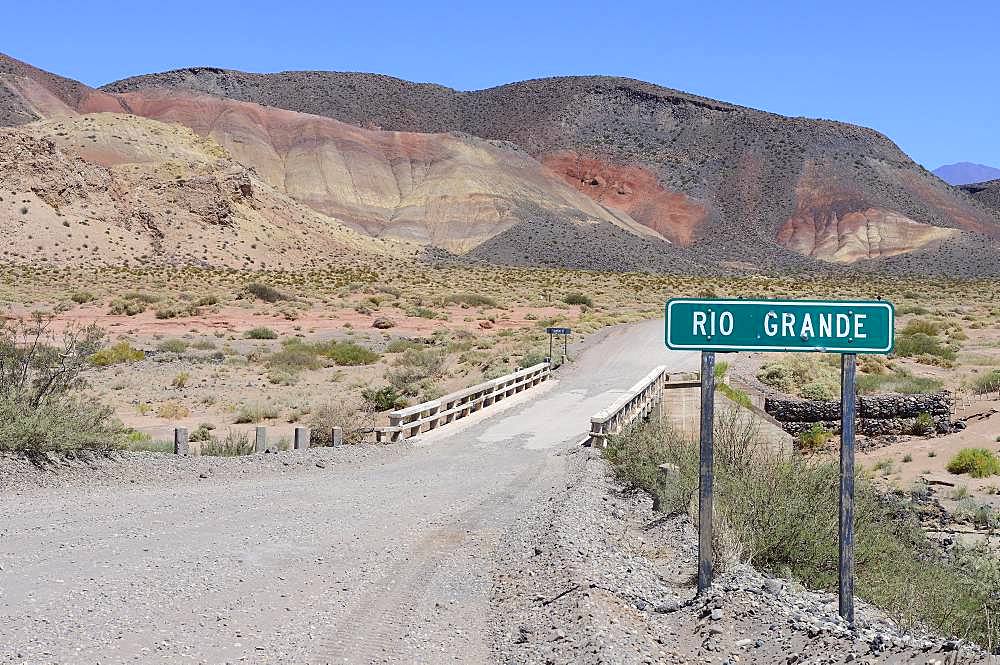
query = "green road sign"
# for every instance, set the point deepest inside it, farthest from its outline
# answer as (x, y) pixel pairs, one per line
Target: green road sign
(780, 325)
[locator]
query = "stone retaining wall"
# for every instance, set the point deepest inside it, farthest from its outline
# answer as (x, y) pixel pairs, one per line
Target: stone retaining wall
(877, 414)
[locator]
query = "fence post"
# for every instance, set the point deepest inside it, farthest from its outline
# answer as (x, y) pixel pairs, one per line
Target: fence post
(301, 438)
(181, 446)
(260, 440)
(705, 468)
(337, 436)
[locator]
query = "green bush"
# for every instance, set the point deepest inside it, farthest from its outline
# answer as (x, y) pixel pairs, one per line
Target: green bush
(40, 376)
(899, 382)
(125, 307)
(173, 345)
(261, 333)
(924, 424)
(402, 344)
(977, 462)
(818, 390)
(82, 297)
(266, 293)
(735, 395)
(578, 299)
(470, 300)
(122, 352)
(781, 513)
(919, 344)
(347, 353)
(233, 445)
(815, 437)
(255, 413)
(985, 383)
(921, 326)
(383, 399)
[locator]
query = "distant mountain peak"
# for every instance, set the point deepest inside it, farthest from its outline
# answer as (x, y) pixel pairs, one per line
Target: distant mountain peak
(964, 173)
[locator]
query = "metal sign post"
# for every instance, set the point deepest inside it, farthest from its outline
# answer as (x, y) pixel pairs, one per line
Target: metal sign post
(705, 464)
(826, 326)
(848, 368)
(565, 332)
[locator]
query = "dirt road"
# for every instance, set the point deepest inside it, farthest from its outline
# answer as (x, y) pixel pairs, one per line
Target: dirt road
(321, 557)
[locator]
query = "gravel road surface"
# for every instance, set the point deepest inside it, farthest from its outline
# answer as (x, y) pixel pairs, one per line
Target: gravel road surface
(331, 556)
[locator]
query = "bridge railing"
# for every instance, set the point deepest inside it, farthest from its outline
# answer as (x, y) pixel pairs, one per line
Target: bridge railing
(408, 422)
(638, 402)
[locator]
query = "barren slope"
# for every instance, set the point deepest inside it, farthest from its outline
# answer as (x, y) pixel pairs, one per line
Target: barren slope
(112, 189)
(987, 193)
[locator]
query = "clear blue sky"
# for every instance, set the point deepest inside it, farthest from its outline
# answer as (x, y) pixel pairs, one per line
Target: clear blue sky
(924, 73)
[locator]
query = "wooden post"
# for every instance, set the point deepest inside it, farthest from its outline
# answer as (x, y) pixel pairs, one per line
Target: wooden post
(550, 348)
(705, 471)
(181, 446)
(848, 366)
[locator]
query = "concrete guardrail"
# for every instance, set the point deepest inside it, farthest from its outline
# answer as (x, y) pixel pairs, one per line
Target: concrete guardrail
(637, 402)
(408, 422)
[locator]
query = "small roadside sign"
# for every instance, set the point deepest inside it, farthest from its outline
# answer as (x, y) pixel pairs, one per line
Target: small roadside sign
(558, 331)
(832, 326)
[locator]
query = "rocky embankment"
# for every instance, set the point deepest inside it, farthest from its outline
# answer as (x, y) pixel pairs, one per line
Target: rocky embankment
(877, 414)
(604, 579)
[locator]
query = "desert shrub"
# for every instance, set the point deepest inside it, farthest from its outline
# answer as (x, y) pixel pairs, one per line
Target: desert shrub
(977, 462)
(255, 413)
(121, 306)
(578, 299)
(413, 367)
(62, 423)
(422, 313)
(911, 309)
(142, 296)
(40, 374)
(792, 372)
(985, 383)
(347, 353)
(142, 442)
(355, 417)
(233, 444)
(203, 432)
(470, 300)
(172, 411)
(815, 437)
(531, 359)
(819, 390)
(735, 394)
(266, 293)
(386, 398)
(781, 513)
(261, 333)
(174, 310)
(720, 370)
(924, 424)
(898, 382)
(122, 352)
(204, 345)
(180, 380)
(82, 297)
(922, 326)
(921, 344)
(402, 344)
(173, 345)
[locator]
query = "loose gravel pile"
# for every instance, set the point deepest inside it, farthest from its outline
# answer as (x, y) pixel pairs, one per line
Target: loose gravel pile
(603, 579)
(20, 475)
